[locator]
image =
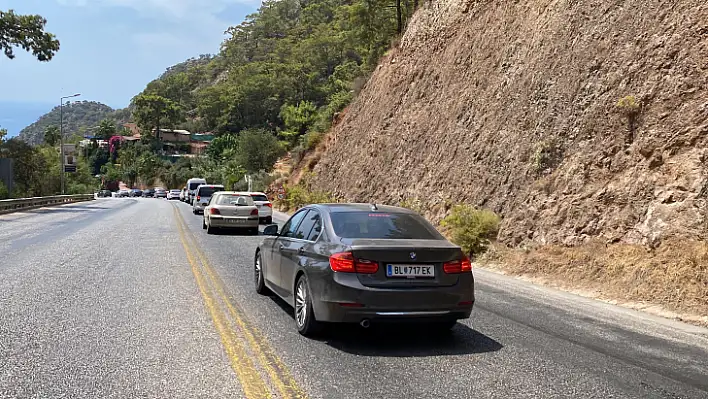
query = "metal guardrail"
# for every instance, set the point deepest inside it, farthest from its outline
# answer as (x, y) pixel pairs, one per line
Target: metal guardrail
(21, 204)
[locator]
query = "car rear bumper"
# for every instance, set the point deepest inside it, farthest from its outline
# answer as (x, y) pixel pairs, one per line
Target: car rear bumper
(348, 301)
(234, 222)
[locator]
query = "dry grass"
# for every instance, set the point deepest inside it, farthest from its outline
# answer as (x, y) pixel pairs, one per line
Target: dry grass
(673, 276)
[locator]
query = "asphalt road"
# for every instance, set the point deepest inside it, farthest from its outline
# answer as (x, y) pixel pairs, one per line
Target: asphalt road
(130, 298)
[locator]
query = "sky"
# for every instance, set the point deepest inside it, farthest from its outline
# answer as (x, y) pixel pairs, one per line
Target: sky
(110, 49)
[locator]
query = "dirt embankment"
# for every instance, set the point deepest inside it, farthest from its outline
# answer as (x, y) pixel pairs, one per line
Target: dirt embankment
(512, 106)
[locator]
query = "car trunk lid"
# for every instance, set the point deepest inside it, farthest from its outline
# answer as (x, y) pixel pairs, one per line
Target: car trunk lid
(407, 263)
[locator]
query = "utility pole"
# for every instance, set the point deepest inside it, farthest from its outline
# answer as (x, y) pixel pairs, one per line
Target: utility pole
(61, 138)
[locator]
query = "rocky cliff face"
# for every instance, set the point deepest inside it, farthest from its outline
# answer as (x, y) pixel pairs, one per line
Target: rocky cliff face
(512, 105)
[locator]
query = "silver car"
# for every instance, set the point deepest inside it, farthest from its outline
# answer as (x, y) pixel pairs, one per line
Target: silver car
(231, 210)
(202, 195)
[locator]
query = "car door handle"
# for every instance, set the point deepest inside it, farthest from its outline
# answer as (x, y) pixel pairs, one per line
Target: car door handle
(282, 247)
(301, 251)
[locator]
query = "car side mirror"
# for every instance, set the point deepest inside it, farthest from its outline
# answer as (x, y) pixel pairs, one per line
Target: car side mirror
(271, 230)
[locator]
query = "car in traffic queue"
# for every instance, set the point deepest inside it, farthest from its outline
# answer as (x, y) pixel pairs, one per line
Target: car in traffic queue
(202, 195)
(192, 185)
(231, 210)
(173, 194)
(160, 192)
(363, 263)
(183, 194)
(104, 194)
(148, 193)
(136, 192)
(265, 207)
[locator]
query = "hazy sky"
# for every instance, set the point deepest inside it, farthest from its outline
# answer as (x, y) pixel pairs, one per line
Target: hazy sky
(110, 49)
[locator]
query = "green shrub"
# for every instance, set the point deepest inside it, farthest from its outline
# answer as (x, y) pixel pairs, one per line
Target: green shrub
(311, 139)
(4, 192)
(297, 154)
(630, 109)
(298, 196)
(471, 228)
(547, 155)
(414, 204)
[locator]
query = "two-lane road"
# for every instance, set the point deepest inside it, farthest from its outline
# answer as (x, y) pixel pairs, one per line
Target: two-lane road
(131, 298)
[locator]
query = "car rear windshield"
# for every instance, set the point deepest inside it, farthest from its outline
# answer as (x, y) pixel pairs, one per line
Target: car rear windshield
(235, 199)
(208, 191)
(259, 197)
(194, 185)
(364, 224)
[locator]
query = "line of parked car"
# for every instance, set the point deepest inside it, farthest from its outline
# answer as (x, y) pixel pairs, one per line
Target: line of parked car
(346, 263)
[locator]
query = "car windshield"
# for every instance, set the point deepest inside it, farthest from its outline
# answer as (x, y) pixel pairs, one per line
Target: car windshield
(235, 199)
(365, 224)
(193, 186)
(208, 191)
(259, 197)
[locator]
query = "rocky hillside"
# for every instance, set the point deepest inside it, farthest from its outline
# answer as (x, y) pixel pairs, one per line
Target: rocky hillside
(513, 106)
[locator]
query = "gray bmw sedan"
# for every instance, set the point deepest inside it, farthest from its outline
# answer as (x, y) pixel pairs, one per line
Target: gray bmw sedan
(363, 263)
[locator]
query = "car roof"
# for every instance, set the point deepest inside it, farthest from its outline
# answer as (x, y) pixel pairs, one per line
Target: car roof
(343, 207)
(245, 194)
(257, 192)
(211, 185)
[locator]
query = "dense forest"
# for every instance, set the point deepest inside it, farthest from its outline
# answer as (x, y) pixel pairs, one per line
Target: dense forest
(79, 117)
(280, 78)
(277, 83)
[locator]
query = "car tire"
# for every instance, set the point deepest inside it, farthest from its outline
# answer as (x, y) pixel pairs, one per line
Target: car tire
(305, 320)
(204, 226)
(261, 288)
(269, 220)
(210, 230)
(254, 231)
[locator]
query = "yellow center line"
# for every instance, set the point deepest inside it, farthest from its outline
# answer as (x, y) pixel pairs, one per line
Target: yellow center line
(251, 382)
(278, 372)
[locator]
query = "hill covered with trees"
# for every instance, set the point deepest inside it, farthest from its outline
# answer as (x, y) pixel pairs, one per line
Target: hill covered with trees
(78, 117)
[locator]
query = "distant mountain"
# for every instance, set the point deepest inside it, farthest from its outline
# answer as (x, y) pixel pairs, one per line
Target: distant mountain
(78, 116)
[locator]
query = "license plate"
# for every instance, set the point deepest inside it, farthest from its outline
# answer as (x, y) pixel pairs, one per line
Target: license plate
(410, 271)
(237, 221)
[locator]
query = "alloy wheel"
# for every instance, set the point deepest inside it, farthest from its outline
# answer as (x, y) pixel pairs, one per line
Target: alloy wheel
(301, 303)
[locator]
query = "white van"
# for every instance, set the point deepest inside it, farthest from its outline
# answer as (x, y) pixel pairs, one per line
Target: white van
(192, 185)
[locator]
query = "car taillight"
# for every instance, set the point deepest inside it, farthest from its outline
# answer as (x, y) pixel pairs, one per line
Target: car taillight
(214, 211)
(254, 212)
(458, 266)
(198, 198)
(344, 262)
(268, 204)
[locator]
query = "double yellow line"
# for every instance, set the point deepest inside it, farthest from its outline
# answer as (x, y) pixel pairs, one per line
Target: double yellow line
(261, 373)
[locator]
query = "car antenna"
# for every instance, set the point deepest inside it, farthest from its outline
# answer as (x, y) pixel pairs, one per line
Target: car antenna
(374, 207)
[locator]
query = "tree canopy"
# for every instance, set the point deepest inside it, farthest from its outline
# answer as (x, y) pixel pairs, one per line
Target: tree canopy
(27, 32)
(78, 117)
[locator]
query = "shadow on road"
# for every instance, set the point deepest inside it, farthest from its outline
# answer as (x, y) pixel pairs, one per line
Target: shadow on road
(235, 232)
(67, 208)
(401, 339)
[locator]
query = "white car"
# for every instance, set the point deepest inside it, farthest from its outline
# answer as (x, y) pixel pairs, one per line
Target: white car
(173, 194)
(230, 210)
(265, 207)
(202, 195)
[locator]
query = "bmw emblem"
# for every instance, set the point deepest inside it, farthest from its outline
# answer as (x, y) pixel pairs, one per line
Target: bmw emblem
(413, 255)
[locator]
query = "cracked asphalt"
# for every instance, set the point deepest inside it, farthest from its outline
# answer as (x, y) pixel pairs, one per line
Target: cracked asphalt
(130, 298)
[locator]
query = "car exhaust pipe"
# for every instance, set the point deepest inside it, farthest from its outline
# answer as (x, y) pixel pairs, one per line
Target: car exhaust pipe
(365, 323)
